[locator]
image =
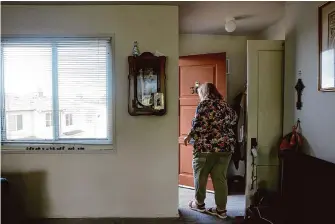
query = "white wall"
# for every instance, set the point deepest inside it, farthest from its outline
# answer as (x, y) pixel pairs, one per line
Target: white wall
(39, 125)
(300, 26)
(274, 32)
(301, 53)
(234, 46)
(138, 180)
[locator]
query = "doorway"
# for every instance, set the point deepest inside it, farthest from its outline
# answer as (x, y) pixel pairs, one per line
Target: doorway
(193, 71)
(264, 112)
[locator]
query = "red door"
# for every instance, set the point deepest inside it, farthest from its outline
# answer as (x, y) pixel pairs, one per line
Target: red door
(192, 69)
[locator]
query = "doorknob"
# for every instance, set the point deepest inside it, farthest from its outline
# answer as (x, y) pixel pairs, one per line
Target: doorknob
(194, 89)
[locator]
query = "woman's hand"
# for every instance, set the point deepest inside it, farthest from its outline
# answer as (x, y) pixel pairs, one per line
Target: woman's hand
(187, 140)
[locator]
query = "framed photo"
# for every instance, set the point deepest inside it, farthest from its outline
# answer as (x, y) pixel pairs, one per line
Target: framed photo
(159, 101)
(326, 79)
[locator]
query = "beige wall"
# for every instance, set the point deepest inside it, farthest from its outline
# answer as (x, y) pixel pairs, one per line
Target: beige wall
(138, 180)
(234, 46)
(302, 54)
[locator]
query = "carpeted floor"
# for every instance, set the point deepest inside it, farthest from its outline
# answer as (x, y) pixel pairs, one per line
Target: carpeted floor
(235, 207)
(235, 204)
(188, 216)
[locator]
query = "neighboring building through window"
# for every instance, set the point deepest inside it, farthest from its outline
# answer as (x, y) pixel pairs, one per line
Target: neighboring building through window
(50, 81)
(15, 122)
(68, 120)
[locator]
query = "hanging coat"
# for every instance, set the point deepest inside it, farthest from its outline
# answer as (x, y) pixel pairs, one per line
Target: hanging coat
(239, 105)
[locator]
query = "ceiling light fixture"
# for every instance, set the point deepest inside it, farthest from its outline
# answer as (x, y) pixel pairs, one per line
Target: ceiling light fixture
(230, 25)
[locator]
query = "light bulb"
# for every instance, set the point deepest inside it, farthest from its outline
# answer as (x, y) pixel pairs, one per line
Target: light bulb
(230, 25)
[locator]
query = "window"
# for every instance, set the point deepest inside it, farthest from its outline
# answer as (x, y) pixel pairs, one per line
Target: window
(68, 119)
(71, 77)
(48, 120)
(15, 122)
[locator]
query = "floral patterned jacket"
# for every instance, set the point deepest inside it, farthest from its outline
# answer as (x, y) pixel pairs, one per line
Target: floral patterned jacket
(212, 127)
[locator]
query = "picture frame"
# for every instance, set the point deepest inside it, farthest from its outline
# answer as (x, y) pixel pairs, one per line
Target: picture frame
(159, 101)
(326, 29)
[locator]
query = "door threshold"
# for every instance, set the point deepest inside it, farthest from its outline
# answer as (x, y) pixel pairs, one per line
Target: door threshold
(192, 188)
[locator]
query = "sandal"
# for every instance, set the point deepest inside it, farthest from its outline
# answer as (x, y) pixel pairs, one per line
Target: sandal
(220, 214)
(196, 207)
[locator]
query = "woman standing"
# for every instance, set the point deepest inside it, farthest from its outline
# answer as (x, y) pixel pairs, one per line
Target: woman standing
(214, 141)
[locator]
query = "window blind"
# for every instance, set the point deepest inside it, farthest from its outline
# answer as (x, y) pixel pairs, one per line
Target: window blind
(59, 86)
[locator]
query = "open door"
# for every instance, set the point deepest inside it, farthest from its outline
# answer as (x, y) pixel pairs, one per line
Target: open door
(265, 70)
(195, 69)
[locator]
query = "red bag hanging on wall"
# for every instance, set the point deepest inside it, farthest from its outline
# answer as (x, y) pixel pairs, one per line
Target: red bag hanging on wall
(293, 140)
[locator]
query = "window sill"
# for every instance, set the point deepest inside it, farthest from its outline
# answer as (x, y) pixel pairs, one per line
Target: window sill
(46, 148)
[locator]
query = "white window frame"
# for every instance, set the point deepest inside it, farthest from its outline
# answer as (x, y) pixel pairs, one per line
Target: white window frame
(91, 145)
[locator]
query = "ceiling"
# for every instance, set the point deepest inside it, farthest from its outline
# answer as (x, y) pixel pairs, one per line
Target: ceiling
(205, 17)
(209, 17)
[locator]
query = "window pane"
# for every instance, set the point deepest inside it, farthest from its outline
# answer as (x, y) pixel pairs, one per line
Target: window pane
(82, 89)
(28, 88)
(80, 67)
